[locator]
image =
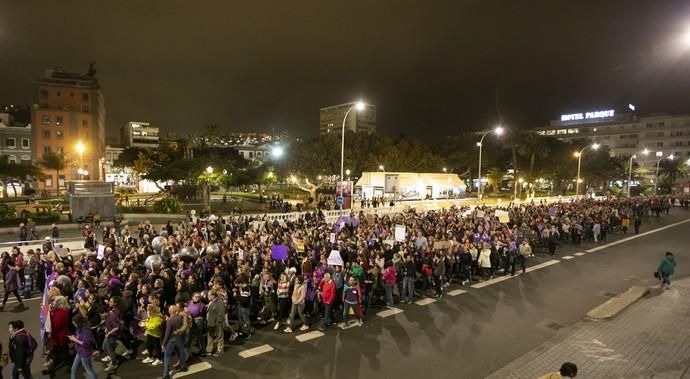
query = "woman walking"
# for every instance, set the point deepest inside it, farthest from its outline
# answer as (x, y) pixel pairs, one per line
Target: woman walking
(12, 283)
(298, 296)
(84, 343)
(666, 268)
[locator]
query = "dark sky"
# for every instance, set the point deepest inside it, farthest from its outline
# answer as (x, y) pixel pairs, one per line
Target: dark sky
(433, 67)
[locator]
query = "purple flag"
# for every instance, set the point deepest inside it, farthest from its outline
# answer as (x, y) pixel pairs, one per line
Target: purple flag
(279, 252)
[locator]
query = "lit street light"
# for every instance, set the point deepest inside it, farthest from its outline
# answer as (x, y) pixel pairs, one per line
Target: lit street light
(634, 156)
(381, 168)
(360, 106)
(80, 149)
(445, 169)
(277, 151)
(498, 130)
(656, 176)
(594, 146)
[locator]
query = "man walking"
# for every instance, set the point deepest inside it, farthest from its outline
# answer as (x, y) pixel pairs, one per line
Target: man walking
(21, 349)
(215, 319)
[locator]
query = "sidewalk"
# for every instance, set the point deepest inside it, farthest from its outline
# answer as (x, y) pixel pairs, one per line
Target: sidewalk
(650, 339)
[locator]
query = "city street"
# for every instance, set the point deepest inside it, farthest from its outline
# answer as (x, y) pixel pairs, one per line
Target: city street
(469, 335)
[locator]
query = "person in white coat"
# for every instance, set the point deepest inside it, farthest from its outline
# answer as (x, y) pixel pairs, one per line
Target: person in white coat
(484, 261)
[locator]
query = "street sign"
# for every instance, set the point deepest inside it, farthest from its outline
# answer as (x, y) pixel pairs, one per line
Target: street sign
(339, 200)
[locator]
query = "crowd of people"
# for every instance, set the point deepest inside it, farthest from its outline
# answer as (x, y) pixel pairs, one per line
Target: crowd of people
(172, 292)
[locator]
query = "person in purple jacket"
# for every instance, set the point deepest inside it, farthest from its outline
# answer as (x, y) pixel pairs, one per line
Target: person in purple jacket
(84, 344)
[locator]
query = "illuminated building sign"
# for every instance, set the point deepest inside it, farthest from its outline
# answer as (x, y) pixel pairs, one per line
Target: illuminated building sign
(588, 115)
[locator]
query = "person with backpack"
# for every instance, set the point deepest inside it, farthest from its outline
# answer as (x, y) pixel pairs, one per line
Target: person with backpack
(665, 269)
(21, 349)
(84, 343)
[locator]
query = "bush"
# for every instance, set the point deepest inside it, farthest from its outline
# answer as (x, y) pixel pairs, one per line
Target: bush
(6, 211)
(167, 205)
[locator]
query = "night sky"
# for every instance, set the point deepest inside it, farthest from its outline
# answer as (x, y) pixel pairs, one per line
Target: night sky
(433, 68)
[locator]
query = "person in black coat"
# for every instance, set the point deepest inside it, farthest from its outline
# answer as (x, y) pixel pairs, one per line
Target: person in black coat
(20, 351)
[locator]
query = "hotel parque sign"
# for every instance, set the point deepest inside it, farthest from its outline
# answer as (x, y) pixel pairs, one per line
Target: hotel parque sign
(588, 115)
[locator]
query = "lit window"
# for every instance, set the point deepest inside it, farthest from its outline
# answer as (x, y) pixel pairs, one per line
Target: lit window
(58, 120)
(58, 134)
(49, 182)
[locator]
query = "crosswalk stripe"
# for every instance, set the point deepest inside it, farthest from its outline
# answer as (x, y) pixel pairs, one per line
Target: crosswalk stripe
(309, 336)
(389, 312)
(193, 369)
(255, 351)
(568, 257)
(455, 292)
(426, 301)
(580, 254)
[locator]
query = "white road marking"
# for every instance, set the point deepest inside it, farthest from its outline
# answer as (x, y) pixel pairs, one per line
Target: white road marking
(567, 257)
(455, 292)
(492, 281)
(255, 351)
(579, 254)
(193, 369)
(389, 312)
(351, 325)
(602, 247)
(309, 336)
(542, 265)
(426, 301)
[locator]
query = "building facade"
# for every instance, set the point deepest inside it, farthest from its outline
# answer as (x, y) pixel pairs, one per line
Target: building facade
(140, 134)
(69, 110)
(626, 134)
(15, 140)
(331, 119)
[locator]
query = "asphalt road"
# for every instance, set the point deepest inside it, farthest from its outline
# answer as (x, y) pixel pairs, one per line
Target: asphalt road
(466, 336)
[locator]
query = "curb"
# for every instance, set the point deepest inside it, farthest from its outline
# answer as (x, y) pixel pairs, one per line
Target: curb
(617, 304)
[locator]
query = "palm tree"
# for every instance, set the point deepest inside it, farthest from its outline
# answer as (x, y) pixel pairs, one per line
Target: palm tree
(54, 161)
(495, 176)
(533, 146)
(672, 170)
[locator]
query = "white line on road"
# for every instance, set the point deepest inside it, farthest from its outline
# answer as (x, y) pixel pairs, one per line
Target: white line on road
(455, 292)
(426, 301)
(579, 254)
(352, 324)
(567, 257)
(193, 369)
(492, 281)
(542, 265)
(309, 336)
(255, 351)
(602, 247)
(389, 312)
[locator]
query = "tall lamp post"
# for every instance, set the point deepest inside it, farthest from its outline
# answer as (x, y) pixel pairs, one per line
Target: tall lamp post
(579, 164)
(634, 156)
(656, 176)
(360, 106)
(498, 130)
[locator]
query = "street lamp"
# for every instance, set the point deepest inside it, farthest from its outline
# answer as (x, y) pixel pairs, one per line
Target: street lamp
(359, 106)
(80, 149)
(594, 146)
(656, 176)
(277, 151)
(634, 156)
(498, 130)
(445, 169)
(381, 168)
